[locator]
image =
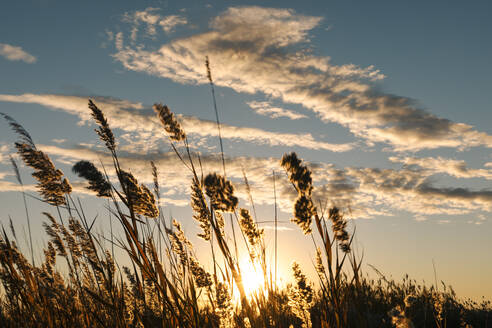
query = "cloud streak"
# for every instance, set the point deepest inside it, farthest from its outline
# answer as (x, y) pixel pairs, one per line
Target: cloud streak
(266, 109)
(364, 192)
(15, 53)
(152, 20)
(254, 49)
(439, 164)
(134, 117)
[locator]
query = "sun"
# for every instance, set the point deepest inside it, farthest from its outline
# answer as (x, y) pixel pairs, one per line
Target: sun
(252, 275)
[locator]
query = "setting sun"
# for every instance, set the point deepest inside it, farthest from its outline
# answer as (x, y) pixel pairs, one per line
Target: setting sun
(253, 279)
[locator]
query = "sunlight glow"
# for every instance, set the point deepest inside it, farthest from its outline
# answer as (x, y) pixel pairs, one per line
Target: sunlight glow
(252, 275)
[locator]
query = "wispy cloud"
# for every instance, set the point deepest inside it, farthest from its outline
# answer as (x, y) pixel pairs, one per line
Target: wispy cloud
(364, 192)
(278, 228)
(265, 108)
(16, 53)
(151, 18)
(254, 49)
(4, 152)
(168, 23)
(135, 118)
(451, 167)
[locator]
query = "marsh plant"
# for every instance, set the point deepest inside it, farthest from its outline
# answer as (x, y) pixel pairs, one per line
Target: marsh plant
(162, 283)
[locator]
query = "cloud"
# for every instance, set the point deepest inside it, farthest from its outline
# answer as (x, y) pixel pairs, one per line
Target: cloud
(152, 19)
(254, 49)
(451, 167)
(16, 53)
(4, 152)
(279, 228)
(361, 192)
(134, 117)
(266, 109)
(412, 191)
(168, 23)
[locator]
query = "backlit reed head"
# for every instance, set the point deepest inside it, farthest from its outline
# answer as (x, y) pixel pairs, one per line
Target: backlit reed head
(104, 132)
(97, 181)
(250, 228)
(51, 184)
(303, 213)
(221, 193)
(201, 212)
(171, 125)
(339, 226)
(299, 174)
(139, 196)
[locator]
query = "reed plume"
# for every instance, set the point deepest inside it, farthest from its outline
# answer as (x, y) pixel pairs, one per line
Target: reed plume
(339, 226)
(250, 229)
(224, 308)
(300, 176)
(104, 131)
(97, 181)
(202, 278)
(221, 193)
(139, 196)
(51, 184)
(201, 212)
(301, 297)
(171, 125)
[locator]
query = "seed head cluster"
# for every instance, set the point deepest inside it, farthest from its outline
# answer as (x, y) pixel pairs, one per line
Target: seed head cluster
(139, 196)
(201, 212)
(97, 181)
(250, 228)
(224, 308)
(104, 131)
(300, 176)
(202, 277)
(51, 183)
(221, 193)
(339, 226)
(171, 125)
(301, 297)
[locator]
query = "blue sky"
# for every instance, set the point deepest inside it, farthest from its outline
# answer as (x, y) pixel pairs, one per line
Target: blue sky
(389, 102)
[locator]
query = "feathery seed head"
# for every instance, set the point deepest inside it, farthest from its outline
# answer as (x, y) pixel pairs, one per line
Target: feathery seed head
(104, 131)
(299, 174)
(201, 212)
(202, 277)
(209, 71)
(249, 227)
(24, 136)
(339, 226)
(224, 307)
(155, 177)
(97, 181)
(320, 268)
(221, 193)
(171, 125)
(139, 196)
(304, 210)
(50, 183)
(301, 297)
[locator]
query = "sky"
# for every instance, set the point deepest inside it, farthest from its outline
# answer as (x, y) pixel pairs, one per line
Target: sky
(388, 102)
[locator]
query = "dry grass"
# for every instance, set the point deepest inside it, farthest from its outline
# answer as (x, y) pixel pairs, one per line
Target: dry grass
(78, 284)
